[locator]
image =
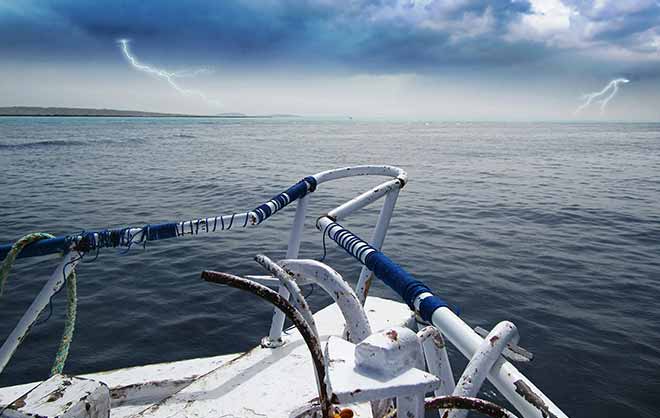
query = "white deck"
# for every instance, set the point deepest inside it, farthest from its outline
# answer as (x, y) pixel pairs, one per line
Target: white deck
(260, 383)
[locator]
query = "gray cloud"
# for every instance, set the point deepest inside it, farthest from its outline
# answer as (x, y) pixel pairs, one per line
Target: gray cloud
(370, 35)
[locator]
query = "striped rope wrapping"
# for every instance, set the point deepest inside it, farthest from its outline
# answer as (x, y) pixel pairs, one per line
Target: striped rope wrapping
(388, 271)
(126, 237)
(298, 190)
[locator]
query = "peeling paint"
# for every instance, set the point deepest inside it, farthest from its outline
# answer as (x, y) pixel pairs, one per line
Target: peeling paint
(535, 400)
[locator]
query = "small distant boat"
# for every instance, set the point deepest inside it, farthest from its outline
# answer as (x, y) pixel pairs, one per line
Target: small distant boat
(362, 356)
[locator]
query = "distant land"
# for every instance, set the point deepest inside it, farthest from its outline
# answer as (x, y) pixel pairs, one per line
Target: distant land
(75, 111)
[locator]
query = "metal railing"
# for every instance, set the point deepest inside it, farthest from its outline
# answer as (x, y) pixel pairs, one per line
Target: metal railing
(485, 354)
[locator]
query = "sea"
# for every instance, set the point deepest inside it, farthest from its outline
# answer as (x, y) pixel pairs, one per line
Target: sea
(553, 226)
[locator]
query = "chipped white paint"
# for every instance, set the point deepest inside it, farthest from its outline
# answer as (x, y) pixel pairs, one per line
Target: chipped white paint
(503, 375)
(365, 199)
(390, 352)
(245, 376)
(135, 388)
(361, 170)
(350, 382)
(482, 361)
(437, 361)
(62, 397)
(357, 325)
(271, 382)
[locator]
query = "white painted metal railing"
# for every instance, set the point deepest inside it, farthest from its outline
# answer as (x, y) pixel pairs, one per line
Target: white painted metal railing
(484, 354)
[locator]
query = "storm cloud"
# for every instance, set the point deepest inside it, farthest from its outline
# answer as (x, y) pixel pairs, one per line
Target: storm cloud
(523, 59)
(377, 35)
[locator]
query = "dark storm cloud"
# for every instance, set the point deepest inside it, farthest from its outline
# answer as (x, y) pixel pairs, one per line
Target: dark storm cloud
(368, 34)
(620, 22)
(373, 35)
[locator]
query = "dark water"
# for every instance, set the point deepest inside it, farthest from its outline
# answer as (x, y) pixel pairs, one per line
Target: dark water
(555, 227)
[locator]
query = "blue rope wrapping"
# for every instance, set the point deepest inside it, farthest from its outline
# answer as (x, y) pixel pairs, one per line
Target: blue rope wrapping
(122, 237)
(386, 270)
(42, 247)
(298, 190)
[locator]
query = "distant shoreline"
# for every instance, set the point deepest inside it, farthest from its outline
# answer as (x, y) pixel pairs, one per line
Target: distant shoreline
(35, 111)
(6, 115)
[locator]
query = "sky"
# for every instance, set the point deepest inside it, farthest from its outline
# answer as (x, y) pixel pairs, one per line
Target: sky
(427, 59)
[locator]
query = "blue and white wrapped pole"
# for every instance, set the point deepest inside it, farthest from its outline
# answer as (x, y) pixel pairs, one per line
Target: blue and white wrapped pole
(518, 390)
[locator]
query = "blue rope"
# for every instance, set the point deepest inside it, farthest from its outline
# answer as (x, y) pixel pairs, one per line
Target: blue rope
(50, 300)
(385, 269)
(122, 237)
(298, 190)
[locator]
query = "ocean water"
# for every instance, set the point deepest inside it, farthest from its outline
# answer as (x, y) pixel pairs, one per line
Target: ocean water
(555, 227)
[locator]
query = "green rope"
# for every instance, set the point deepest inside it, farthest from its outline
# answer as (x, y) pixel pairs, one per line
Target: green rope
(18, 246)
(71, 290)
(69, 324)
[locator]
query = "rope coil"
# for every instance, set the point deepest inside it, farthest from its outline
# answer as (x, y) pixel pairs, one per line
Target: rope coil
(72, 299)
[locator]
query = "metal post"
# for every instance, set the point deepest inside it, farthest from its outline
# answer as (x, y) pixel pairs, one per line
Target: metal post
(365, 199)
(364, 282)
(517, 389)
(482, 361)
(54, 283)
(274, 338)
(437, 361)
(411, 406)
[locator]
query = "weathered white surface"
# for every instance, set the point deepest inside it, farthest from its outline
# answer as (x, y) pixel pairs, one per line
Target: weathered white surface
(286, 383)
(62, 397)
(269, 382)
(351, 383)
(133, 389)
(390, 351)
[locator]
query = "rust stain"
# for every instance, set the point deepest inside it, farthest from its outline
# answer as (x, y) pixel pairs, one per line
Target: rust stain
(461, 402)
(392, 335)
(494, 340)
(535, 400)
(122, 392)
(18, 403)
(438, 340)
(346, 413)
(58, 393)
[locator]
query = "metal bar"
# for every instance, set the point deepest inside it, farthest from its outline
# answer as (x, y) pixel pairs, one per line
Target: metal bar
(274, 338)
(518, 390)
(473, 404)
(299, 322)
(357, 324)
(489, 351)
(411, 406)
(287, 281)
(361, 170)
(364, 199)
(383, 222)
(54, 283)
(529, 400)
(209, 224)
(437, 360)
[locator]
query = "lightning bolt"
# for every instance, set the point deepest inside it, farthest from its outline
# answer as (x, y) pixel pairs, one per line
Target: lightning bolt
(612, 87)
(167, 75)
